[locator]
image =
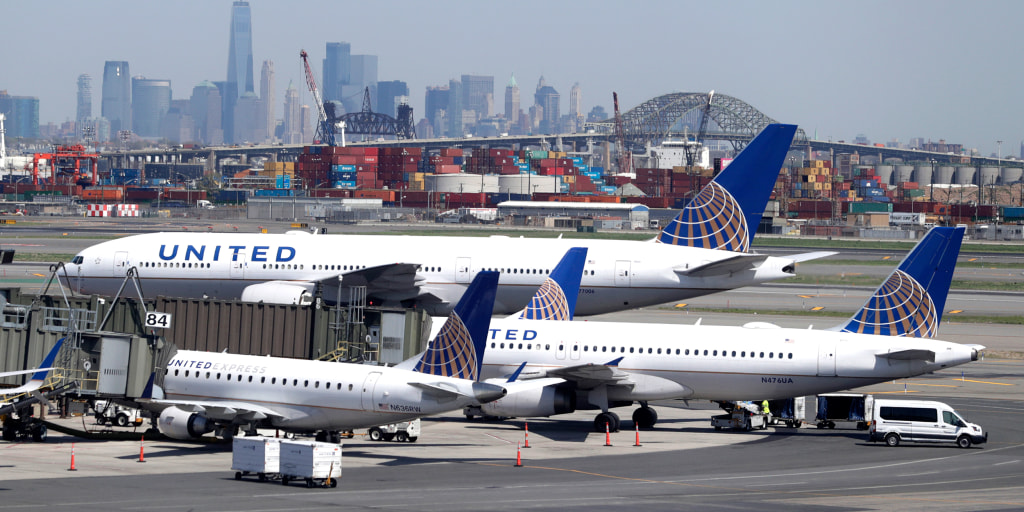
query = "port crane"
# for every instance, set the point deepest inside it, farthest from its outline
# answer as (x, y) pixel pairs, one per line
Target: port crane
(324, 130)
(625, 158)
(692, 149)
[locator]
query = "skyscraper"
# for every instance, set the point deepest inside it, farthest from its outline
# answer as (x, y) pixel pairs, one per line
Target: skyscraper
(575, 107)
(267, 97)
(22, 113)
(478, 94)
(389, 94)
(151, 99)
(337, 70)
(116, 104)
(364, 74)
(547, 98)
(249, 126)
(83, 114)
(292, 116)
(435, 104)
(205, 107)
(454, 110)
(240, 70)
(512, 99)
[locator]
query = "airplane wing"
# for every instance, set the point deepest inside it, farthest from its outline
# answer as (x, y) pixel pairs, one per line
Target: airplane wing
(225, 410)
(384, 279)
(588, 376)
(808, 256)
(21, 372)
(737, 263)
(39, 374)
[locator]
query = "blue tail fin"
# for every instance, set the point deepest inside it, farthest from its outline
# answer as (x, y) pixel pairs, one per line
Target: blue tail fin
(47, 364)
(458, 349)
(726, 213)
(910, 302)
(556, 298)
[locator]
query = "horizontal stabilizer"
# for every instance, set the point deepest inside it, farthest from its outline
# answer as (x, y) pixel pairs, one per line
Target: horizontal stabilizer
(808, 256)
(910, 355)
(737, 263)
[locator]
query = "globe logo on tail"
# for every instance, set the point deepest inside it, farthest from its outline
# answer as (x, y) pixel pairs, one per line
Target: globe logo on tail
(549, 303)
(900, 307)
(712, 220)
(452, 353)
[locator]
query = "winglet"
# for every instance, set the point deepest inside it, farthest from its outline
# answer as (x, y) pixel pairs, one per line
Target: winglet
(47, 364)
(910, 302)
(458, 349)
(147, 392)
(515, 375)
(726, 212)
(614, 362)
(556, 298)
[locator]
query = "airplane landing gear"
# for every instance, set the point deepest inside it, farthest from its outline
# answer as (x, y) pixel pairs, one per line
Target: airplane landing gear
(609, 418)
(645, 417)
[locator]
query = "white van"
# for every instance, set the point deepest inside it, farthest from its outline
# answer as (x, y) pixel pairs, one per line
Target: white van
(921, 421)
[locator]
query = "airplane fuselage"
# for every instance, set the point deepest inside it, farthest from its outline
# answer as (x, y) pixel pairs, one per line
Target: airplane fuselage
(712, 362)
(618, 274)
(311, 395)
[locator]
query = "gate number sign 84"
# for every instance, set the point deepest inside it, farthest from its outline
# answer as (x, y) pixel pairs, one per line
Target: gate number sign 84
(158, 320)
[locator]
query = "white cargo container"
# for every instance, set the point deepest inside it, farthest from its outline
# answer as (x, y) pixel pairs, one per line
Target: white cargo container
(310, 460)
(258, 455)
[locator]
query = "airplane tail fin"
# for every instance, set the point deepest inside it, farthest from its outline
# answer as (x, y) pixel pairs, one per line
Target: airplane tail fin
(47, 364)
(556, 298)
(458, 349)
(726, 213)
(910, 302)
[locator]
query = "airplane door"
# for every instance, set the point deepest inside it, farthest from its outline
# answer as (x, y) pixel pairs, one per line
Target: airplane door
(826, 360)
(574, 353)
(560, 352)
(120, 263)
(622, 273)
(238, 267)
(462, 270)
(367, 396)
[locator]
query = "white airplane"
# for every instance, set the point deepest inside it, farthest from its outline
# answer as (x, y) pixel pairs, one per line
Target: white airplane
(702, 251)
(600, 365)
(203, 392)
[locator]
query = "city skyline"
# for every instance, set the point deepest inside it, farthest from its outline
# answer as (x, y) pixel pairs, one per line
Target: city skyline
(889, 71)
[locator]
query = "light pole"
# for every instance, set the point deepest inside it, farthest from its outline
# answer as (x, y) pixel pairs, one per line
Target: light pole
(999, 165)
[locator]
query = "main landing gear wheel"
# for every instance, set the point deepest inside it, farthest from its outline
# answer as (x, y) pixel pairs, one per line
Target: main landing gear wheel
(609, 418)
(645, 417)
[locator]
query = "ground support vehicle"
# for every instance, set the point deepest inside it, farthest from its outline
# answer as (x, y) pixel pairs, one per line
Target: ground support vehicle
(843, 407)
(401, 432)
(741, 416)
(789, 411)
(256, 455)
(316, 463)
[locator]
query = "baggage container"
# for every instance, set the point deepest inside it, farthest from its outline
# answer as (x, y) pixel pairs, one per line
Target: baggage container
(315, 462)
(256, 455)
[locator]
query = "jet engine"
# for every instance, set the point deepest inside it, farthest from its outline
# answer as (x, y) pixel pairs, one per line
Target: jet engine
(183, 425)
(279, 292)
(545, 401)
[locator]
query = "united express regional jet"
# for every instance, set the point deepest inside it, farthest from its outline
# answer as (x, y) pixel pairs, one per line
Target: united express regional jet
(703, 250)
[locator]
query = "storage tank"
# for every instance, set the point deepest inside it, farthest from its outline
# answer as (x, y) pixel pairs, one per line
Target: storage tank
(923, 174)
(964, 175)
(988, 175)
(903, 174)
(1010, 175)
(884, 173)
(528, 184)
(462, 183)
(943, 175)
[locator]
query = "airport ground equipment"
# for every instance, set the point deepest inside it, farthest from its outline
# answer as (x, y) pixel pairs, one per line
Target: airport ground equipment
(788, 411)
(313, 462)
(740, 416)
(18, 419)
(257, 455)
(108, 412)
(843, 407)
(401, 432)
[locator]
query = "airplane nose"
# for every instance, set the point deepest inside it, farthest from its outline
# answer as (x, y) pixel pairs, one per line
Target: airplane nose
(484, 392)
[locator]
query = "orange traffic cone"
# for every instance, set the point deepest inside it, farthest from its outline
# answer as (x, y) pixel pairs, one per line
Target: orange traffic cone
(637, 434)
(519, 457)
(72, 468)
(526, 425)
(607, 435)
(142, 453)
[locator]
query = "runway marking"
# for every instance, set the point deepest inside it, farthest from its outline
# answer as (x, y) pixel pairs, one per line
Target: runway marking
(681, 305)
(896, 392)
(984, 382)
(955, 311)
(817, 308)
(1007, 462)
(498, 438)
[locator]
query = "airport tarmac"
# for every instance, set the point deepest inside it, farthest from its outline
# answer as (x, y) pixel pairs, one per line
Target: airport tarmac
(681, 464)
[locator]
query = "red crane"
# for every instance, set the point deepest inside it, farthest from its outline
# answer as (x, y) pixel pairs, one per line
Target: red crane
(324, 131)
(59, 159)
(625, 159)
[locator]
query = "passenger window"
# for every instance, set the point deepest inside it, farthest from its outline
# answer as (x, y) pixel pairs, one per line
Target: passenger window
(714, 353)
(630, 350)
(734, 353)
(186, 373)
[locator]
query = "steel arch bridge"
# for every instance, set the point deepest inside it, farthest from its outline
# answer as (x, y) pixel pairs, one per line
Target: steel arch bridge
(671, 115)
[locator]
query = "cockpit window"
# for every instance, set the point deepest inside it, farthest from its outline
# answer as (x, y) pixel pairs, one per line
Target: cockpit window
(77, 260)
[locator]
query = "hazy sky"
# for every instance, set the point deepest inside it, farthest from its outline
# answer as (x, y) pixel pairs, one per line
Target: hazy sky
(887, 69)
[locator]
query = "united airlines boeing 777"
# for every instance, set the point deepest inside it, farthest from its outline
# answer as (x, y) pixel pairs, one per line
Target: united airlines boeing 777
(703, 250)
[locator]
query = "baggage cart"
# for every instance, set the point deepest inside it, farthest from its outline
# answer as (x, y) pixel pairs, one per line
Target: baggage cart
(256, 455)
(843, 407)
(318, 464)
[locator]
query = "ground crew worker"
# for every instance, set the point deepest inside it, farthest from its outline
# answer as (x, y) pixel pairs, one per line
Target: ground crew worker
(767, 411)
